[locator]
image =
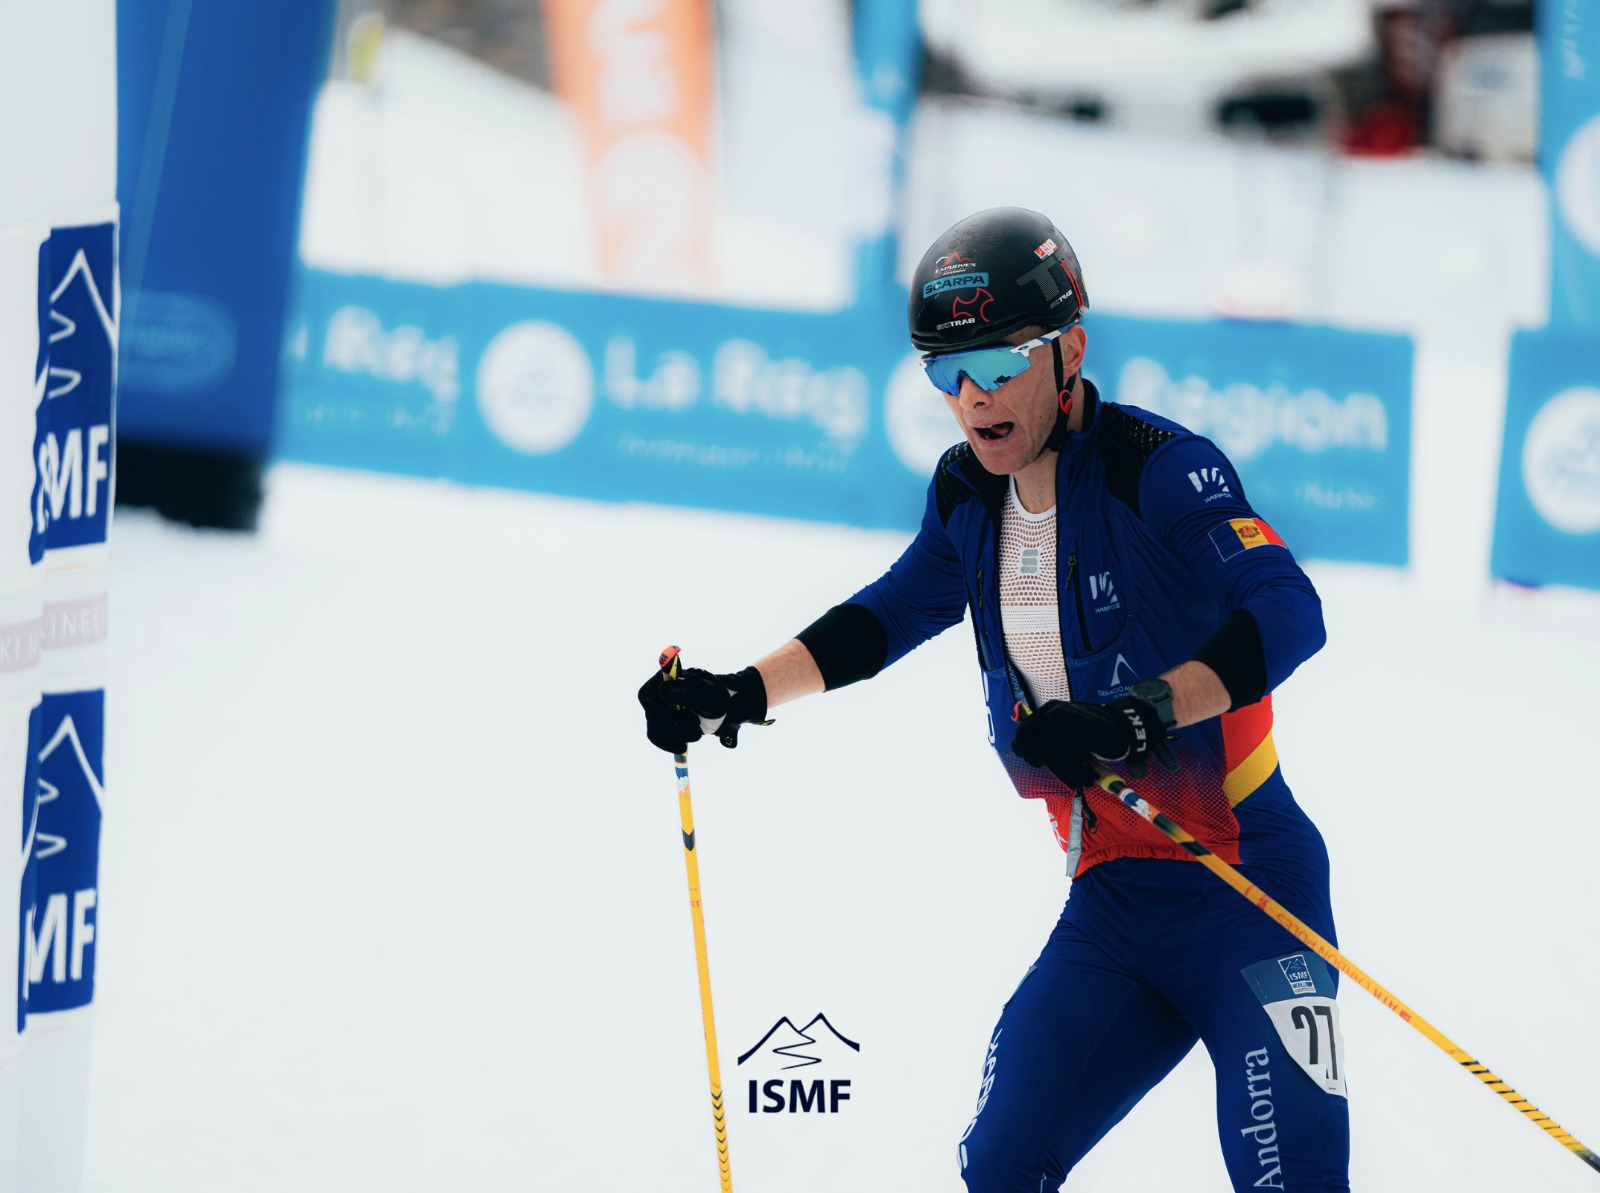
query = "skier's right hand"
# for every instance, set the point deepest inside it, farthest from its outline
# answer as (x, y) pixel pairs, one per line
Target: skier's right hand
(1075, 738)
(680, 711)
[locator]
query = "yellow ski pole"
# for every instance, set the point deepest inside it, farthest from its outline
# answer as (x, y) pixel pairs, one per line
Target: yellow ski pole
(1175, 832)
(669, 665)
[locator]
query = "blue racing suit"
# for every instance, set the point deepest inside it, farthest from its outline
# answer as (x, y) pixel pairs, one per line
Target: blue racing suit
(1160, 559)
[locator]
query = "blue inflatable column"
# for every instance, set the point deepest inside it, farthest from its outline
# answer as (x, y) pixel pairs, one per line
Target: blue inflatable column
(216, 102)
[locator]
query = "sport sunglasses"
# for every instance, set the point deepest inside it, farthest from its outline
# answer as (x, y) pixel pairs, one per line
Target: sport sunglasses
(988, 368)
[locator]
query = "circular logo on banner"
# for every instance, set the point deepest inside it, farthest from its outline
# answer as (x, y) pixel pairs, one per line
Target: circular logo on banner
(1578, 185)
(535, 387)
(1561, 461)
(917, 420)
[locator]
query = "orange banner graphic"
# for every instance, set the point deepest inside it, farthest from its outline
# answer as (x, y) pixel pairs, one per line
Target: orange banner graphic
(639, 76)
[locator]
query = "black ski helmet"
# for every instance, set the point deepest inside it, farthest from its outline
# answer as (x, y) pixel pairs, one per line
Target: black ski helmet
(990, 275)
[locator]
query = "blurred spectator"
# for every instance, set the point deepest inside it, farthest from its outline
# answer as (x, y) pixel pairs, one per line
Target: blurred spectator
(1456, 75)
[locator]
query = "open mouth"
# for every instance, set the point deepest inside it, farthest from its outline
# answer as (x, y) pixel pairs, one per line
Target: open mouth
(994, 432)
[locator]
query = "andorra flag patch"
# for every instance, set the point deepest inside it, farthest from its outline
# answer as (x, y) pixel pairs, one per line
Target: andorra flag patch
(1241, 534)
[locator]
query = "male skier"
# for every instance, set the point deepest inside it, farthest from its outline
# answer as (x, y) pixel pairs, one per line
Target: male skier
(1128, 605)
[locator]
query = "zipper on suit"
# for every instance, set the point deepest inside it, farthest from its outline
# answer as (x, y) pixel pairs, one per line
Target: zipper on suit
(1074, 583)
(977, 625)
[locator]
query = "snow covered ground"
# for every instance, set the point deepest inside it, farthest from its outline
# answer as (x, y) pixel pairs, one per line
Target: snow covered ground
(393, 893)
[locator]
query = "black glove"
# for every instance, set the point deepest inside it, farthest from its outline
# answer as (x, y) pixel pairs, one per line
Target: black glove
(1071, 737)
(679, 711)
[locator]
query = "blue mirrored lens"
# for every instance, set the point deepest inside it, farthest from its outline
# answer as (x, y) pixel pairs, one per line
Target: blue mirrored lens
(989, 368)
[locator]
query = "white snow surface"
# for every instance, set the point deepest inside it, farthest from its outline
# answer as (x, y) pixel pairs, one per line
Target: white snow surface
(393, 890)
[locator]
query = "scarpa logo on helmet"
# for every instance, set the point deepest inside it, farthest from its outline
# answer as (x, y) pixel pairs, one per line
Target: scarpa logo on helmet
(958, 281)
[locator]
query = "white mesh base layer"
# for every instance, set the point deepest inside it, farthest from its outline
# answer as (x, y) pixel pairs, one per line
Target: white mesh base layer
(1029, 610)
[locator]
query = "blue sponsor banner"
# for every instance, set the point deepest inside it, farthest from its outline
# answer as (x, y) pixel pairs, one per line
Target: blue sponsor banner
(598, 396)
(211, 160)
(1317, 421)
(66, 852)
(73, 439)
(810, 416)
(1569, 153)
(1547, 515)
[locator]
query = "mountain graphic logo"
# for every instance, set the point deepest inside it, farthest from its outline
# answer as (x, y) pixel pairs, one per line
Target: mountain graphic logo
(800, 1047)
(49, 844)
(802, 1055)
(64, 380)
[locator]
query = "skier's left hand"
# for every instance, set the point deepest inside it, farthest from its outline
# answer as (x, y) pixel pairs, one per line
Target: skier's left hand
(1072, 738)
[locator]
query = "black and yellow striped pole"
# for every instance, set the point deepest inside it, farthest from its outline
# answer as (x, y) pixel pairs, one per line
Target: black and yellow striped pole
(669, 665)
(1180, 836)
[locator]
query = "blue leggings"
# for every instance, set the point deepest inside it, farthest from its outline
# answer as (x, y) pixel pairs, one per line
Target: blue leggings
(1148, 957)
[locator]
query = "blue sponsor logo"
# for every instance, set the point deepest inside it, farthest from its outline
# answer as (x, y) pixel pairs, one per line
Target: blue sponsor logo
(181, 342)
(958, 281)
(73, 429)
(59, 939)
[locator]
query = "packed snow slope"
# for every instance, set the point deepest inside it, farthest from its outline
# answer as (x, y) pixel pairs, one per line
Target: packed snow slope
(393, 890)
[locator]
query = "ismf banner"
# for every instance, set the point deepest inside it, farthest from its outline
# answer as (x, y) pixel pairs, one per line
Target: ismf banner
(809, 416)
(66, 852)
(74, 449)
(1547, 515)
(639, 79)
(1569, 153)
(73, 436)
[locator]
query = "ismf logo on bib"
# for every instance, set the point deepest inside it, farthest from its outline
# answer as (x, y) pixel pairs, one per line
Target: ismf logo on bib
(1297, 992)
